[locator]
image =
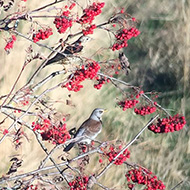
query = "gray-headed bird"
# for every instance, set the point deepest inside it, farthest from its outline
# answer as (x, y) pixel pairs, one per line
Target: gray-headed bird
(89, 129)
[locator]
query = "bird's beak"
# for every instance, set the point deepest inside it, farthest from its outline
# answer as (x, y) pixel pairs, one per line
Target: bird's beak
(105, 110)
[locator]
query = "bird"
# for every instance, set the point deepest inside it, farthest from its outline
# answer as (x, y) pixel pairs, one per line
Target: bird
(75, 47)
(124, 62)
(89, 128)
(118, 19)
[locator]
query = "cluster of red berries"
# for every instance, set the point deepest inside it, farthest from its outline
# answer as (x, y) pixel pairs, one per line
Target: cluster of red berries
(129, 103)
(42, 34)
(32, 187)
(144, 177)
(89, 30)
(17, 111)
(116, 68)
(55, 134)
(123, 36)
(80, 183)
(24, 101)
(139, 94)
(114, 151)
(5, 131)
(168, 124)
(63, 22)
(91, 12)
(89, 15)
(145, 110)
(86, 72)
(10, 43)
(101, 81)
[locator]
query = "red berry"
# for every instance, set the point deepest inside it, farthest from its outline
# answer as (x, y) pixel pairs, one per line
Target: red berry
(169, 124)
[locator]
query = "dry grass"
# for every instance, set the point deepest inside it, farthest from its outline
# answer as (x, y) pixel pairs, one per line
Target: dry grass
(163, 47)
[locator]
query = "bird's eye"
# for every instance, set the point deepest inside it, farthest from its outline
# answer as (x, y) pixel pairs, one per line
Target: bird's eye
(100, 111)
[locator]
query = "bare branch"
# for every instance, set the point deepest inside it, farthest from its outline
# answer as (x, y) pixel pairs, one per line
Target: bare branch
(136, 88)
(17, 79)
(25, 113)
(127, 146)
(48, 5)
(177, 185)
(6, 179)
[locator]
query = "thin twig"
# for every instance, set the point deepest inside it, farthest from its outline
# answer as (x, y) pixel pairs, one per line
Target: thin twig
(49, 182)
(37, 43)
(44, 7)
(18, 109)
(48, 156)
(102, 186)
(118, 80)
(129, 144)
(136, 88)
(13, 87)
(157, 105)
(177, 185)
(25, 113)
(42, 146)
(6, 179)
(45, 80)
(52, 160)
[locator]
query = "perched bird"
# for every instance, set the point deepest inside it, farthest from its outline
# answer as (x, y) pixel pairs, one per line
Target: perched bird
(124, 62)
(118, 19)
(75, 47)
(89, 128)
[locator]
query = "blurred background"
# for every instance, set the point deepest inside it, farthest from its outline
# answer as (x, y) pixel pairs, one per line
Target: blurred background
(160, 61)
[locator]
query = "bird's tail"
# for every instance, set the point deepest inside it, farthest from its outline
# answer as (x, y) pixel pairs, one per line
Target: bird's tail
(58, 57)
(68, 147)
(48, 62)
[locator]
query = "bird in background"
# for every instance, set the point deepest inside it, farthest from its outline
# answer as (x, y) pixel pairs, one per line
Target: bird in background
(124, 62)
(89, 128)
(75, 47)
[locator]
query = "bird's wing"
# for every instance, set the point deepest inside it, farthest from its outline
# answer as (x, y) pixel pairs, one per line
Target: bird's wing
(79, 132)
(89, 127)
(56, 58)
(71, 49)
(94, 126)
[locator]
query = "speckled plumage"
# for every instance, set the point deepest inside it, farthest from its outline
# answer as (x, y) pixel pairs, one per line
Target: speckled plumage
(75, 47)
(89, 128)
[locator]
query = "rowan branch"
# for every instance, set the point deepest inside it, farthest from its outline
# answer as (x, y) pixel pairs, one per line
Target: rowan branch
(7, 179)
(126, 147)
(27, 110)
(135, 88)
